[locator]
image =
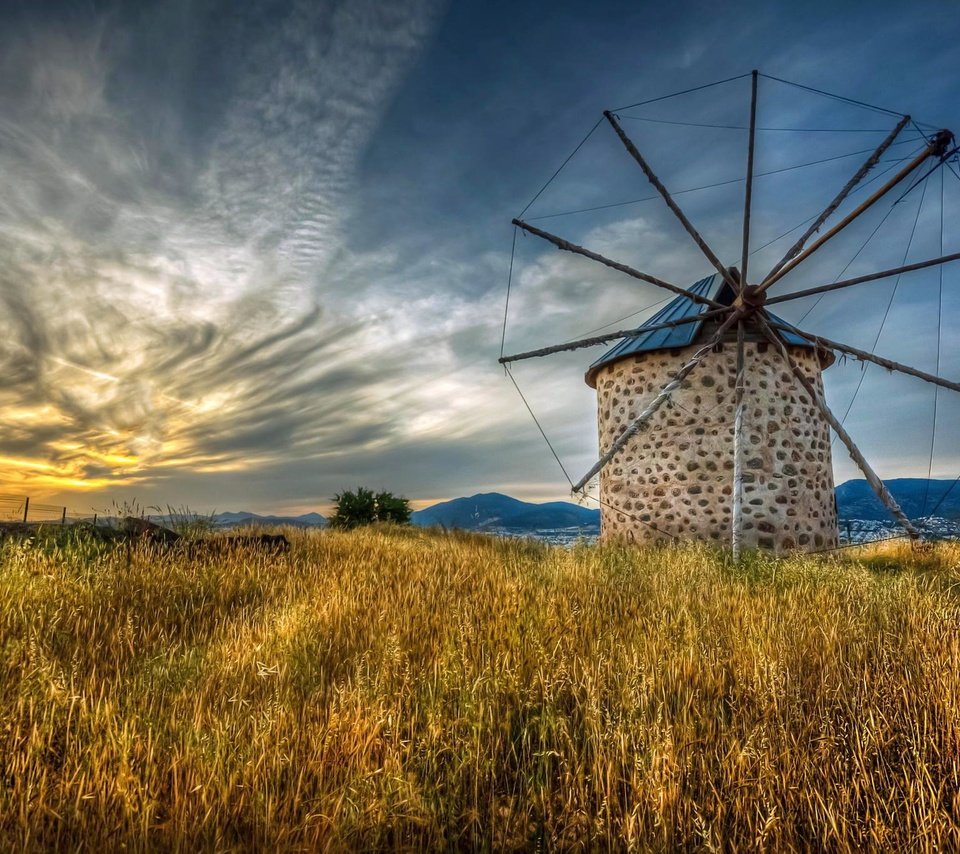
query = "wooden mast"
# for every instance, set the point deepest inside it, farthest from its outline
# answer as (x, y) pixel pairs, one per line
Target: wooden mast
(737, 514)
(748, 191)
(937, 146)
(861, 173)
(611, 336)
(865, 355)
(869, 277)
(567, 246)
(680, 215)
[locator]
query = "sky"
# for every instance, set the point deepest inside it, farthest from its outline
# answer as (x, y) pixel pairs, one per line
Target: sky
(254, 254)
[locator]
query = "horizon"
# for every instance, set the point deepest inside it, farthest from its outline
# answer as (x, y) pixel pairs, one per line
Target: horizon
(265, 254)
(425, 504)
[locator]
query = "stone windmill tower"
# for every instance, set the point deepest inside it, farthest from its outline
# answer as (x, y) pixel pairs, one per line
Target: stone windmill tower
(675, 478)
(712, 415)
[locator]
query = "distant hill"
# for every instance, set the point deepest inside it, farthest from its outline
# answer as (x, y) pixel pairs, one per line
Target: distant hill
(855, 499)
(243, 518)
(493, 510)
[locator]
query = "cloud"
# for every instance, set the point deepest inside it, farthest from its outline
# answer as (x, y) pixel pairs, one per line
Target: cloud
(152, 324)
(259, 250)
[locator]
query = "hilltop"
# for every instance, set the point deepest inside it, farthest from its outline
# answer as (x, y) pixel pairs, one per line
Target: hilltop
(246, 518)
(493, 510)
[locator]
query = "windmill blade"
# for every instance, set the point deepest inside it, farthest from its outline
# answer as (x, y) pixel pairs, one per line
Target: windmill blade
(748, 190)
(865, 356)
(936, 148)
(861, 173)
(870, 277)
(610, 336)
(878, 486)
(567, 246)
(658, 185)
(662, 397)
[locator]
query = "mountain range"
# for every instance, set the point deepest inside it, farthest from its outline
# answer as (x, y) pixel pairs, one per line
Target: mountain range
(493, 510)
(916, 496)
(855, 500)
(239, 519)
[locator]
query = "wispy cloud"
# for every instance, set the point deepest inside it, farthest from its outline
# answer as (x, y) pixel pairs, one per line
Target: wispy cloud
(165, 298)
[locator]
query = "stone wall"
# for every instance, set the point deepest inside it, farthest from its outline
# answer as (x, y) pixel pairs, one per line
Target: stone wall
(676, 477)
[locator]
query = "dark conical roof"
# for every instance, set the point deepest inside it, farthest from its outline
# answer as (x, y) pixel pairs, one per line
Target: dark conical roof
(712, 287)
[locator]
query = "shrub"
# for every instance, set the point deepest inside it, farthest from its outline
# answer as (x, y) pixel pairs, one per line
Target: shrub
(364, 507)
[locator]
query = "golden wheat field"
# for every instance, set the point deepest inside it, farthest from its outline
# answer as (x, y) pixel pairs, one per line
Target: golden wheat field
(407, 690)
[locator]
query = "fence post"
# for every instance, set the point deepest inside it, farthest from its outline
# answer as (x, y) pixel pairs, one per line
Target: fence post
(63, 517)
(94, 520)
(26, 508)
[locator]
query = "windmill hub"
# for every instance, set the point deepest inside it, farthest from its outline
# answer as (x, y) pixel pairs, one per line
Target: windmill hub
(752, 297)
(942, 140)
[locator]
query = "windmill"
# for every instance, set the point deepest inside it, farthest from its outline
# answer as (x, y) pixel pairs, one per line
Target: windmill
(663, 460)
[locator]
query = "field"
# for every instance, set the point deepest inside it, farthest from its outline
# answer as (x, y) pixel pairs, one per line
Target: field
(399, 689)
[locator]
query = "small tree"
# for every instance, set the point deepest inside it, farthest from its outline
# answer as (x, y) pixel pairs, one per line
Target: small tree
(363, 507)
(393, 508)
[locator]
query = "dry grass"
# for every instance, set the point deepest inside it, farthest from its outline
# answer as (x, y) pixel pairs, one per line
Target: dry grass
(404, 690)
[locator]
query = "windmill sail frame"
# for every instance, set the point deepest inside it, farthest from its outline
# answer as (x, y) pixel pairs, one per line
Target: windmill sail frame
(749, 304)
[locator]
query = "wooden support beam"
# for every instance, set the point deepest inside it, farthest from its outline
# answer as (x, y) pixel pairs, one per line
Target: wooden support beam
(611, 336)
(861, 173)
(870, 277)
(567, 246)
(748, 191)
(865, 356)
(737, 533)
(658, 186)
(878, 486)
(935, 148)
(662, 397)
